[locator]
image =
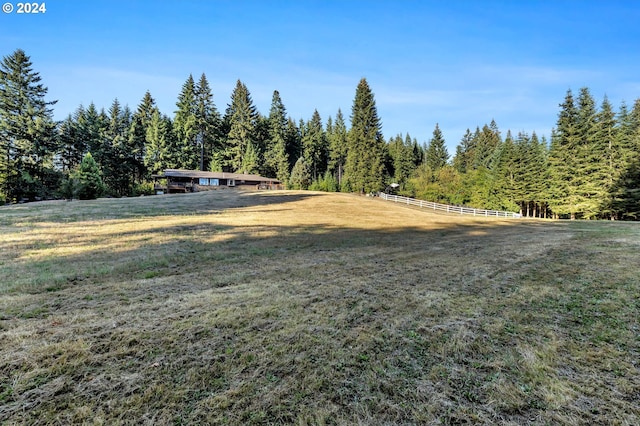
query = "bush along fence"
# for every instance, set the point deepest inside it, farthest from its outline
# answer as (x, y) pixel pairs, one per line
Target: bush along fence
(447, 208)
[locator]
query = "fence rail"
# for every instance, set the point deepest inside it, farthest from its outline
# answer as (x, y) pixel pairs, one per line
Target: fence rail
(447, 208)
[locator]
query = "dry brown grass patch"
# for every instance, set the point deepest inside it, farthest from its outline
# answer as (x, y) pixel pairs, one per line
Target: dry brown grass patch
(309, 308)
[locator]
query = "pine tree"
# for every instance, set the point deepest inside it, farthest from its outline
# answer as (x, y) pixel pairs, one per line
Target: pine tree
(609, 155)
(185, 127)
(250, 161)
(563, 160)
(208, 123)
(538, 172)
(530, 167)
(140, 122)
(27, 131)
(364, 169)
(300, 175)
(436, 156)
(419, 152)
(507, 177)
(315, 146)
(276, 157)
(463, 160)
(338, 146)
(241, 117)
(158, 149)
(116, 159)
(402, 159)
(88, 182)
(294, 142)
(484, 146)
(72, 144)
(93, 125)
(588, 173)
(624, 132)
(261, 140)
(625, 193)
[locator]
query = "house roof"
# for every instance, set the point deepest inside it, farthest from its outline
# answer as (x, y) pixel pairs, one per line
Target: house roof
(215, 175)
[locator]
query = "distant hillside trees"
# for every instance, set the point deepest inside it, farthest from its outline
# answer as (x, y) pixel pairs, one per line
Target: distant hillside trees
(588, 169)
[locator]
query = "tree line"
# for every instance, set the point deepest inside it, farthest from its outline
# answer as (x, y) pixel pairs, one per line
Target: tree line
(588, 169)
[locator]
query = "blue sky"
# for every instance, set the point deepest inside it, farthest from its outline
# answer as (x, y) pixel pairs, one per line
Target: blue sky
(456, 63)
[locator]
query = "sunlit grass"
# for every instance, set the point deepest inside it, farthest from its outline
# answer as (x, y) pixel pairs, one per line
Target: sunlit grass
(303, 308)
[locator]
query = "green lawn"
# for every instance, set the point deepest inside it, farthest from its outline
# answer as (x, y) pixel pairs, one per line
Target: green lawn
(310, 308)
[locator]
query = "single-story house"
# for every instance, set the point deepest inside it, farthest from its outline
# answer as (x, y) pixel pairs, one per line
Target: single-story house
(177, 180)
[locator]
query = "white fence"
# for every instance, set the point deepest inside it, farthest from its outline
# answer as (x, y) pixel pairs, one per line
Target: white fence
(446, 208)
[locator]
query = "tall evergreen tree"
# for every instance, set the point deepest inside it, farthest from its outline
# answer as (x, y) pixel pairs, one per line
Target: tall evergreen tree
(27, 131)
(463, 160)
(241, 117)
(609, 154)
(116, 158)
(208, 123)
(507, 176)
(140, 122)
(294, 142)
(419, 151)
(624, 135)
(562, 160)
(485, 144)
(538, 171)
(364, 169)
(338, 146)
(185, 127)
(589, 156)
(436, 156)
(93, 125)
(159, 149)
(72, 144)
(276, 156)
(625, 192)
(315, 146)
(402, 159)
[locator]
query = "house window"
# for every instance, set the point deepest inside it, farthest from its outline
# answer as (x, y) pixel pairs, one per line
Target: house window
(203, 182)
(231, 182)
(214, 182)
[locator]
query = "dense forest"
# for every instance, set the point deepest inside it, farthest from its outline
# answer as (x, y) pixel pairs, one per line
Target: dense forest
(589, 168)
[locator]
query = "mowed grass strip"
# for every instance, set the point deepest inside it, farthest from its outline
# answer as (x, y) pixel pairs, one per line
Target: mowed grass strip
(308, 308)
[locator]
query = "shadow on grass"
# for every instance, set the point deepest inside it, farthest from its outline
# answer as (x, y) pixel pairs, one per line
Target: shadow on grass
(219, 324)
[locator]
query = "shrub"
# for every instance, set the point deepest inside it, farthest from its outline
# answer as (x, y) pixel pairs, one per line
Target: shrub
(300, 175)
(144, 188)
(88, 182)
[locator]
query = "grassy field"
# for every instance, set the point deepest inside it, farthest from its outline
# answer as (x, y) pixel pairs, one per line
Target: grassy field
(306, 308)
